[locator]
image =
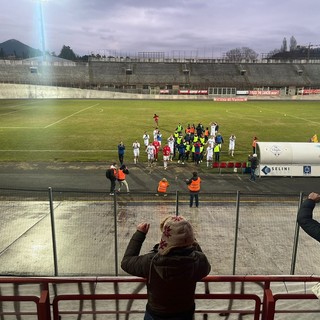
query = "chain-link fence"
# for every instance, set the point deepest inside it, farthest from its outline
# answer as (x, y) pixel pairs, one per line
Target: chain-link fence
(52, 232)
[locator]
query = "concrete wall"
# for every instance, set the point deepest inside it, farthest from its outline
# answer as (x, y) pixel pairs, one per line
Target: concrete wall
(22, 91)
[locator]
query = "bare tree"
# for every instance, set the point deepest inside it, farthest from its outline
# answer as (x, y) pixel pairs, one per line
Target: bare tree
(234, 55)
(241, 54)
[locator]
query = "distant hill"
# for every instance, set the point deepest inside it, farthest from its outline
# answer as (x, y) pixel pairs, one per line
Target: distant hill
(14, 48)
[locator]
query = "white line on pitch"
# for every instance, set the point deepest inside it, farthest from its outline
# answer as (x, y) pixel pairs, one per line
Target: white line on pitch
(69, 151)
(21, 127)
(71, 115)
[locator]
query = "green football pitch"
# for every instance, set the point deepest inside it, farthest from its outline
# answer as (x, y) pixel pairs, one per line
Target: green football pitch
(90, 130)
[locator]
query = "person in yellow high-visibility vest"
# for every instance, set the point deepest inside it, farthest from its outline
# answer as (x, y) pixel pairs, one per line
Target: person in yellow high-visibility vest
(314, 138)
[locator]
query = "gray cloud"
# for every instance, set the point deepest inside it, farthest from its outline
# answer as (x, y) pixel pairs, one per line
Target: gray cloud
(202, 26)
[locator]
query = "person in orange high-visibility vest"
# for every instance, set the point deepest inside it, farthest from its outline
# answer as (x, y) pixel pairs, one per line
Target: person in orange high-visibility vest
(194, 188)
(121, 177)
(162, 187)
(254, 144)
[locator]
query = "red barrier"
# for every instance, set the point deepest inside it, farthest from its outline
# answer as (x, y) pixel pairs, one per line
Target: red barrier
(261, 307)
(229, 165)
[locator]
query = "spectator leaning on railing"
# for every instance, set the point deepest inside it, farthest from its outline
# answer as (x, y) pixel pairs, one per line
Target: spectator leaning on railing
(305, 216)
(172, 269)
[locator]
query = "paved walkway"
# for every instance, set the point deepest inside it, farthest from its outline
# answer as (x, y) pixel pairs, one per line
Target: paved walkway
(91, 177)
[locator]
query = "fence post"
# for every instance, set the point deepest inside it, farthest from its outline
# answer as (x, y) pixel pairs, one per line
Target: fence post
(115, 233)
(53, 233)
(43, 306)
(177, 203)
(236, 233)
(296, 240)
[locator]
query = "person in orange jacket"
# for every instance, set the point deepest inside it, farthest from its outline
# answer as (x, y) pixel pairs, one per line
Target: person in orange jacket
(162, 187)
(121, 177)
(194, 188)
(254, 144)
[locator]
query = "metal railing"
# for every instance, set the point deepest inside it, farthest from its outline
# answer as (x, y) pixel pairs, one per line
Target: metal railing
(264, 297)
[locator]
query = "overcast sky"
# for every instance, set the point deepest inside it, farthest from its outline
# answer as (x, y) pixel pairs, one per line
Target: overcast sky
(176, 27)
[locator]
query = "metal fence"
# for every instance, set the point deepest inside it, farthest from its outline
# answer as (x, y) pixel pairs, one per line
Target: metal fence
(217, 297)
(63, 233)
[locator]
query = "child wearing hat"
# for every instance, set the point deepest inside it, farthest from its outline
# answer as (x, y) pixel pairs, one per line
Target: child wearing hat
(172, 268)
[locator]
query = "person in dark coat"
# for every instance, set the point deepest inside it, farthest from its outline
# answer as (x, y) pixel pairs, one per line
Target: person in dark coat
(121, 150)
(111, 174)
(254, 165)
(305, 216)
(171, 269)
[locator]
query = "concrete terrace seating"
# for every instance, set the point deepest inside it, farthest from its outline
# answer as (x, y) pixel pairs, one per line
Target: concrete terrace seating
(273, 74)
(310, 72)
(200, 75)
(216, 74)
(43, 75)
(108, 73)
(157, 73)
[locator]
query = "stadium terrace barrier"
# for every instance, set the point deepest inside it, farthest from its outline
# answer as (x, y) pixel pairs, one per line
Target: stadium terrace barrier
(55, 298)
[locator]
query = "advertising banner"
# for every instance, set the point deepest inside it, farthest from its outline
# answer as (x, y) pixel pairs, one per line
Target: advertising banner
(289, 158)
(264, 92)
(230, 99)
(289, 170)
(193, 91)
(309, 91)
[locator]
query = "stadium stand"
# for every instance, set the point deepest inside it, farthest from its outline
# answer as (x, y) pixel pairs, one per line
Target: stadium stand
(279, 75)
(310, 72)
(44, 75)
(157, 73)
(141, 76)
(217, 75)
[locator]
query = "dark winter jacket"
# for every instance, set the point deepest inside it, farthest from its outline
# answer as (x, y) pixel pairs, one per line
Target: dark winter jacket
(219, 139)
(254, 162)
(111, 173)
(305, 220)
(121, 149)
(171, 278)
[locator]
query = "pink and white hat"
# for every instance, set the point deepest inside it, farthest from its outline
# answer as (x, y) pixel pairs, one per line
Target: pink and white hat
(177, 232)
